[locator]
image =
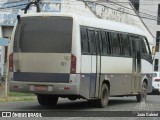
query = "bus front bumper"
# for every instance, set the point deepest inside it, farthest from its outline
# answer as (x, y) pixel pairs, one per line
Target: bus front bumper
(44, 88)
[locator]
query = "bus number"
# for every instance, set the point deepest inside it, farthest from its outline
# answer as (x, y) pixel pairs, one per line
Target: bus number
(63, 64)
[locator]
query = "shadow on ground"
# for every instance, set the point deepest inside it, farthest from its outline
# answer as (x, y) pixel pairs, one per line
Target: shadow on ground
(79, 105)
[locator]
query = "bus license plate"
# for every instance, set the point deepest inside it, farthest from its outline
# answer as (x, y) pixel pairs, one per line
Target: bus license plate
(38, 88)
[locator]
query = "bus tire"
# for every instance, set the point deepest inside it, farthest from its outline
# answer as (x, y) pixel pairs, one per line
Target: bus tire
(51, 100)
(41, 99)
(143, 95)
(104, 98)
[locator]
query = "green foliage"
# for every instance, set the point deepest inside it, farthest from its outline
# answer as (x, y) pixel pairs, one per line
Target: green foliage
(16, 94)
(12, 99)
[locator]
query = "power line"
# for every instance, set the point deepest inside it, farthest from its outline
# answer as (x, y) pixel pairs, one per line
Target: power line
(6, 3)
(122, 11)
(128, 8)
(13, 6)
(145, 17)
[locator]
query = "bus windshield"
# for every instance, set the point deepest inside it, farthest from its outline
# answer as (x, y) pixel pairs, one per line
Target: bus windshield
(43, 35)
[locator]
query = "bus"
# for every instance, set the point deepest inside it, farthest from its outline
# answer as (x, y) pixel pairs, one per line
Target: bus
(64, 55)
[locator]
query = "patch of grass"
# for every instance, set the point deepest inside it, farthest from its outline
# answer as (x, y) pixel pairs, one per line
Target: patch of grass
(16, 94)
(11, 99)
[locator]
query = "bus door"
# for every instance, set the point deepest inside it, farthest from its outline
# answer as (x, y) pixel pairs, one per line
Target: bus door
(95, 63)
(136, 63)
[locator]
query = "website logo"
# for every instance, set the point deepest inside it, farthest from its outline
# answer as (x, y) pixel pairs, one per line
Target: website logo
(6, 114)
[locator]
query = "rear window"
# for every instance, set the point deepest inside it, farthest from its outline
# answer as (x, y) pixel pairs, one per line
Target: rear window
(44, 35)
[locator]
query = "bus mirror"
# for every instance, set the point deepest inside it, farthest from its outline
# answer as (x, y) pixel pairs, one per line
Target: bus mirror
(153, 50)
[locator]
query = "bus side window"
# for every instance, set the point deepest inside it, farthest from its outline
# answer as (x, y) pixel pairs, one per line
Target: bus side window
(125, 45)
(109, 43)
(145, 47)
(105, 43)
(115, 43)
(98, 42)
(135, 44)
(92, 42)
(85, 47)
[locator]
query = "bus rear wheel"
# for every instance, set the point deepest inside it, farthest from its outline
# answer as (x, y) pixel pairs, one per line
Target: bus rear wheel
(51, 100)
(41, 99)
(47, 100)
(143, 95)
(104, 98)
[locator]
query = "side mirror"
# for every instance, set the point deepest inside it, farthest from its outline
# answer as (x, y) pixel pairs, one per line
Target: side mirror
(153, 50)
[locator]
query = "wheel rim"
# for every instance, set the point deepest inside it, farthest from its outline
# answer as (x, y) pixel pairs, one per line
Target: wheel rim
(104, 96)
(144, 93)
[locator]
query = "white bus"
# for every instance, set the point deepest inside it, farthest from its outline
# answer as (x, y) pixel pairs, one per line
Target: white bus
(65, 55)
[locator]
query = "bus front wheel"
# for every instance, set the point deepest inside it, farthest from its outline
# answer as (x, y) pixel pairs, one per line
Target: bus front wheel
(143, 95)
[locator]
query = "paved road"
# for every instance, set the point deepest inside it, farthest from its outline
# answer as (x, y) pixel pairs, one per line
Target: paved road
(115, 104)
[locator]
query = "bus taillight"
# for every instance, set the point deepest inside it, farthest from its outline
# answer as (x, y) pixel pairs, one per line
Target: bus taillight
(157, 80)
(11, 62)
(73, 64)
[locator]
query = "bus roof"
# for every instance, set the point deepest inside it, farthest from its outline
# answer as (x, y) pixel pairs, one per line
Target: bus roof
(95, 22)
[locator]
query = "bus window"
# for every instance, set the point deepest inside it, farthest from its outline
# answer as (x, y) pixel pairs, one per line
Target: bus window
(92, 42)
(105, 43)
(125, 45)
(33, 36)
(115, 43)
(146, 53)
(84, 42)
(145, 47)
(97, 42)
(135, 45)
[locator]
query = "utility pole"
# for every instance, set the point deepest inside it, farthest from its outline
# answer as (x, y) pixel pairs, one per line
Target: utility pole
(6, 81)
(6, 77)
(36, 3)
